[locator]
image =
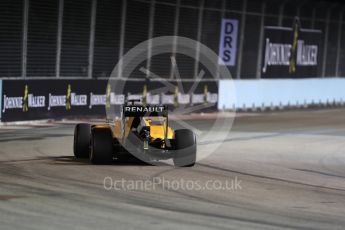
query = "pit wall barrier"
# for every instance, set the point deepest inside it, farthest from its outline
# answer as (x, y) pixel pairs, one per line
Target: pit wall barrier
(24, 100)
(279, 93)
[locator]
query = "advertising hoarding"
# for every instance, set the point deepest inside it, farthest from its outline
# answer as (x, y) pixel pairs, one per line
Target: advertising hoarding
(291, 52)
(55, 99)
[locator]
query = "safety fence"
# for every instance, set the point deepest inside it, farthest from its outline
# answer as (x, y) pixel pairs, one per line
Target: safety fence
(253, 38)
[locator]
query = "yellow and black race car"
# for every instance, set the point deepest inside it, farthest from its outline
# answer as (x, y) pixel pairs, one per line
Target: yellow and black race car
(141, 131)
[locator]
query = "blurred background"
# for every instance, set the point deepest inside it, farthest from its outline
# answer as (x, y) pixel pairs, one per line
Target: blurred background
(73, 40)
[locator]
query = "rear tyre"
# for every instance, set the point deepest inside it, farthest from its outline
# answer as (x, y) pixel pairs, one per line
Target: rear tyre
(185, 145)
(81, 143)
(101, 146)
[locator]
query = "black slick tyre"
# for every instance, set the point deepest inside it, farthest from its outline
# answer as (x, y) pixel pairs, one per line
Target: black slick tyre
(81, 143)
(185, 148)
(101, 146)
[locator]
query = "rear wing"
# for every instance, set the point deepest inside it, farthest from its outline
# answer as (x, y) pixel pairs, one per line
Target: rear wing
(145, 111)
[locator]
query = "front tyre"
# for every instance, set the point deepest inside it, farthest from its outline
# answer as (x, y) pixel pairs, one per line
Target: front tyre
(81, 143)
(185, 148)
(101, 146)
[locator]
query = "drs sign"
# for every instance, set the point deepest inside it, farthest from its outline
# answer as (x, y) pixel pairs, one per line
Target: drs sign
(228, 42)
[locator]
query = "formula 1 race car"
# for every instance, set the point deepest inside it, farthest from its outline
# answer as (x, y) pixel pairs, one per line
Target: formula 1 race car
(142, 131)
